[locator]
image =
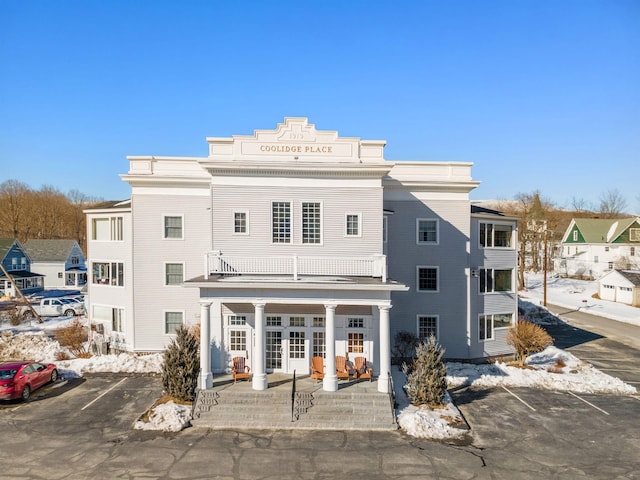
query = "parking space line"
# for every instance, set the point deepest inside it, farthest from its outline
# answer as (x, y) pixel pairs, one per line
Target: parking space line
(102, 394)
(509, 391)
(588, 403)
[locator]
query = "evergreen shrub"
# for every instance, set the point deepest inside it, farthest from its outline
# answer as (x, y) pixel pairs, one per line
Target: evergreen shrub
(426, 375)
(181, 365)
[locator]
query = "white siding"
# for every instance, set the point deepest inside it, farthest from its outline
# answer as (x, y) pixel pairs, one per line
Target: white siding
(151, 251)
(335, 201)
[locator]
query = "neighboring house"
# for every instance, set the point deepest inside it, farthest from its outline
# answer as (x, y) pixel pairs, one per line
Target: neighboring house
(295, 242)
(62, 262)
(17, 264)
(592, 247)
(622, 286)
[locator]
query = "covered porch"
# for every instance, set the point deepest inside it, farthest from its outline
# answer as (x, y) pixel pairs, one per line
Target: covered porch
(254, 317)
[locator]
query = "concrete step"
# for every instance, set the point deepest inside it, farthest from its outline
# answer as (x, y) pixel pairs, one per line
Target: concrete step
(235, 408)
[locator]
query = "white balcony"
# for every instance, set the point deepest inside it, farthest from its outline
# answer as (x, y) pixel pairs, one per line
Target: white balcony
(295, 266)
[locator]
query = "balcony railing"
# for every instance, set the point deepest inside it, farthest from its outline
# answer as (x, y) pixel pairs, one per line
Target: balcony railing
(295, 266)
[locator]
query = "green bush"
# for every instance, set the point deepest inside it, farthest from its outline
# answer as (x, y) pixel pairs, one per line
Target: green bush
(426, 375)
(181, 365)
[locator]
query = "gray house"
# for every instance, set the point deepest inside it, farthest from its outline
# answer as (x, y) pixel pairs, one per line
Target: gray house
(62, 262)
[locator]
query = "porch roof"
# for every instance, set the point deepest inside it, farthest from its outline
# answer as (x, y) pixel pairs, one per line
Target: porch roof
(277, 282)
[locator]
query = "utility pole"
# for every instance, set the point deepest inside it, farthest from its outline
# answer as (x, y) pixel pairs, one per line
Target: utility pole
(544, 267)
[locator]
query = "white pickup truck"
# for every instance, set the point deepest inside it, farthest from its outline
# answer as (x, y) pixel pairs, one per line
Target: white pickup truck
(55, 307)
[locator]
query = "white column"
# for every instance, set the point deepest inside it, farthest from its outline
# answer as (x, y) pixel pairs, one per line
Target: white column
(206, 379)
(330, 382)
(259, 374)
(385, 349)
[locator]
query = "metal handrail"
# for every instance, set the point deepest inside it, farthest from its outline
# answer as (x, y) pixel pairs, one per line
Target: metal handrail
(293, 395)
(392, 397)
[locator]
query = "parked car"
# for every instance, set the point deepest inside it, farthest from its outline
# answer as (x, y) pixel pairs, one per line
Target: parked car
(53, 307)
(19, 379)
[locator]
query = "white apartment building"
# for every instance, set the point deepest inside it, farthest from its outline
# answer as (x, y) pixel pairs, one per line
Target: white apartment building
(296, 242)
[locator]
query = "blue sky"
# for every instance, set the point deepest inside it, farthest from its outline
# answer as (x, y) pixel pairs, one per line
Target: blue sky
(539, 95)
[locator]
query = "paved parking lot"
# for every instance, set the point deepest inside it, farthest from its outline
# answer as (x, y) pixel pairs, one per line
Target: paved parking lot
(82, 429)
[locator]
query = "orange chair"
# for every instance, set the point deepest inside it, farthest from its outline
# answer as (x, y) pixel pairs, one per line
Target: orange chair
(362, 369)
(240, 369)
(317, 368)
(343, 370)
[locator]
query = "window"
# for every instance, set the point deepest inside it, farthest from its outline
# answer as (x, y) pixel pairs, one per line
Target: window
(116, 229)
(427, 326)
(296, 344)
(319, 345)
(173, 227)
(60, 274)
(634, 234)
(427, 279)
(240, 223)
(318, 322)
(606, 249)
(273, 353)
(113, 315)
(108, 273)
(352, 225)
(281, 222)
(117, 319)
(296, 321)
(608, 287)
(488, 323)
(385, 226)
(575, 235)
(172, 321)
(493, 280)
(632, 251)
(427, 230)
(75, 260)
(238, 340)
(237, 320)
(496, 235)
(626, 289)
(311, 222)
(107, 229)
(173, 273)
(610, 265)
(356, 322)
(595, 259)
(355, 342)
(274, 321)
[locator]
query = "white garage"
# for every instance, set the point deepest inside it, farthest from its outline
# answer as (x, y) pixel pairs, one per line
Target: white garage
(621, 286)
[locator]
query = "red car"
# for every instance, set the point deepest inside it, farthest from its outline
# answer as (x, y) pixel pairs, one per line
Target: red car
(19, 379)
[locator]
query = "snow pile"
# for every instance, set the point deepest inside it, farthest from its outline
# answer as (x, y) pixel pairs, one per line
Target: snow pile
(28, 346)
(425, 422)
(121, 363)
(167, 417)
(544, 373)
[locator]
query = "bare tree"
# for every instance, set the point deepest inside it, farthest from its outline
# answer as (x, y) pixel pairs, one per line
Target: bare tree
(612, 204)
(13, 214)
(580, 205)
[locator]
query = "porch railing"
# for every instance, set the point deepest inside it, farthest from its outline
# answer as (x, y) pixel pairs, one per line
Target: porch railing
(370, 266)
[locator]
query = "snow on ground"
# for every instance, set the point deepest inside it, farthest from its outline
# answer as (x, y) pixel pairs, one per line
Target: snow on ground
(577, 294)
(552, 369)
